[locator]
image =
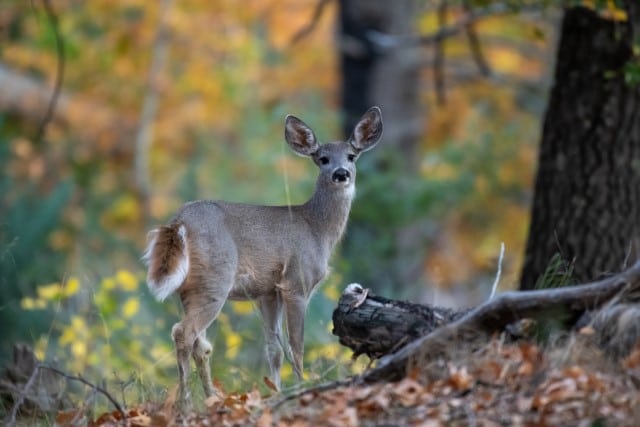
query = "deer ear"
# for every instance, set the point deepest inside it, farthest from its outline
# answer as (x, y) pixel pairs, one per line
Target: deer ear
(299, 136)
(368, 131)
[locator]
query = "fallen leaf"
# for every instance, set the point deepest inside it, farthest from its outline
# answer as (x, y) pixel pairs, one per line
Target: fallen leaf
(460, 379)
(74, 416)
(270, 384)
(265, 419)
(632, 361)
(212, 400)
(142, 420)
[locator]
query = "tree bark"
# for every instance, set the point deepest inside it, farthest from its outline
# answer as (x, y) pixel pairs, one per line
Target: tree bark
(586, 207)
(373, 325)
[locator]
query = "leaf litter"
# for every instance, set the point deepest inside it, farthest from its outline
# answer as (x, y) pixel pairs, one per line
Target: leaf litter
(516, 384)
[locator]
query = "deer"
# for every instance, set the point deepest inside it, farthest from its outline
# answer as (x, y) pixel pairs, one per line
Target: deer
(214, 251)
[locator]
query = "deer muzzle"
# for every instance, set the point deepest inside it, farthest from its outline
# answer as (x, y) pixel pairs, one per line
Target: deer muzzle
(341, 175)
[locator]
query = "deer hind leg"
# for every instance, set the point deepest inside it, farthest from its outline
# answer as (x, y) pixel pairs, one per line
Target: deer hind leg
(295, 307)
(271, 310)
(202, 302)
(201, 353)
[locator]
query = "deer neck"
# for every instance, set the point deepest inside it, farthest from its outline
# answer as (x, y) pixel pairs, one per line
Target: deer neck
(327, 212)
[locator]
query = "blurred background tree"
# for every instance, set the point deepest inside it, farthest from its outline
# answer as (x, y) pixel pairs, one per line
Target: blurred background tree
(177, 100)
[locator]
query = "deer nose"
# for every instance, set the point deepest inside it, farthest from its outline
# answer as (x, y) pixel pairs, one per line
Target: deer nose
(340, 175)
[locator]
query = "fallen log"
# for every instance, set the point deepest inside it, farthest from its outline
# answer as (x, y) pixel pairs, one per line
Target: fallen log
(406, 334)
(373, 325)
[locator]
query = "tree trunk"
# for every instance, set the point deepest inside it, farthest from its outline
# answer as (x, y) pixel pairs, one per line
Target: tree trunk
(375, 75)
(586, 207)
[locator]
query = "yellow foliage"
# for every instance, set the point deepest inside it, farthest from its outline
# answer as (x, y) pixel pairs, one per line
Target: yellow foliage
(118, 324)
(331, 291)
(40, 348)
(28, 303)
(50, 292)
(79, 349)
(162, 355)
(242, 307)
(125, 210)
(71, 287)
(130, 307)
(94, 359)
(506, 60)
(78, 324)
(286, 371)
(611, 11)
(233, 341)
(108, 283)
(67, 337)
(126, 280)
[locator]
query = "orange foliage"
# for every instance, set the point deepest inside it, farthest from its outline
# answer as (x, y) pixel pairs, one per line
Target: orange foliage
(229, 61)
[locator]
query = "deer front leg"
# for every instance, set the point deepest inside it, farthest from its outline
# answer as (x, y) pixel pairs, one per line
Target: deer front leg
(271, 310)
(295, 307)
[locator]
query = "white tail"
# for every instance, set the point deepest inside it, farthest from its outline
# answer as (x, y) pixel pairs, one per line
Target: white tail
(213, 251)
(170, 265)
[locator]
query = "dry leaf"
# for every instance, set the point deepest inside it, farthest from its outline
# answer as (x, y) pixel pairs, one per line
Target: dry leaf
(212, 400)
(270, 384)
(74, 416)
(632, 361)
(265, 419)
(408, 391)
(460, 379)
(142, 420)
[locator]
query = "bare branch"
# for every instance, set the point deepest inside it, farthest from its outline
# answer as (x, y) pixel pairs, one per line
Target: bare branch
(11, 421)
(388, 42)
(438, 61)
(506, 308)
(498, 273)
(96, 388)
(315, 18)
(474, 44)
(60, 57)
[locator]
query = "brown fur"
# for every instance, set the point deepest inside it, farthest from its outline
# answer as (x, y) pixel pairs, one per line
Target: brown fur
(166, 252)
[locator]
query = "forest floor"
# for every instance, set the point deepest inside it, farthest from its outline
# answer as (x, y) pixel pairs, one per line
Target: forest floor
(500, 384)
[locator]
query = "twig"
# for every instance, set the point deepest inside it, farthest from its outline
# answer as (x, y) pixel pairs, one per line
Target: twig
(498, 273)
(96, 388)
(438, 60)
(18, 403)
(316, 389)
(474, 44)
(387, 41)
(60, 56)
(311, 25)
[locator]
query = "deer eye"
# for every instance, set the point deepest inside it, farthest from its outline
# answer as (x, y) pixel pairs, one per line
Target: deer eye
(351, 157)
(323, 160)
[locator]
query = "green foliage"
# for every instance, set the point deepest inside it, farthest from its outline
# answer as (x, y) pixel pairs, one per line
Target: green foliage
(632, 70)
(107, 328)
(28, 215)
(559, 273)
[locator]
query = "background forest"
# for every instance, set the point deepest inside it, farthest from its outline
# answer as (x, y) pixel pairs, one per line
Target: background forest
(164, 102)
